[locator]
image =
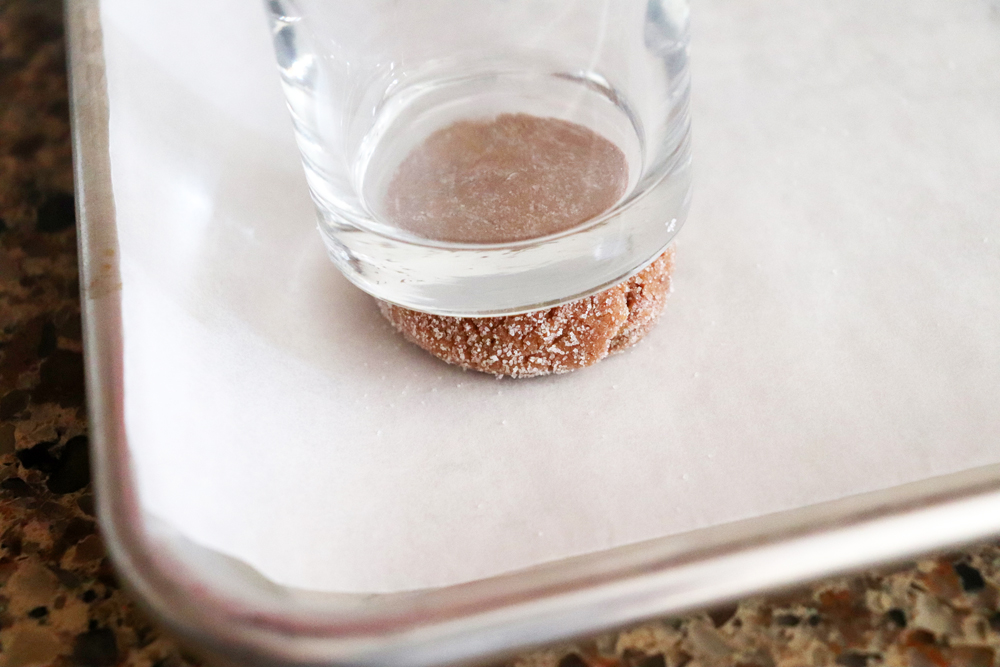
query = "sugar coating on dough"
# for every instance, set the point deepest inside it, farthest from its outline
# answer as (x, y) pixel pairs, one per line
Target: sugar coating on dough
(555, 340)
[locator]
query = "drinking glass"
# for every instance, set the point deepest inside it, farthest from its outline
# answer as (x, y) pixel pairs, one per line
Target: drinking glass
(487, 157)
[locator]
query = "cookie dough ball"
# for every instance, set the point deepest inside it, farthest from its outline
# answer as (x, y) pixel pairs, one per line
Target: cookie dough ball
(556, 340)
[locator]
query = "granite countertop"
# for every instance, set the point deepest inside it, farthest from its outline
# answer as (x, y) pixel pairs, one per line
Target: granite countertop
(60, 602)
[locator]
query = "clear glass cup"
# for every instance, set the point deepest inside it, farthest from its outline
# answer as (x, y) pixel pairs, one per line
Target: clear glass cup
(486, 157)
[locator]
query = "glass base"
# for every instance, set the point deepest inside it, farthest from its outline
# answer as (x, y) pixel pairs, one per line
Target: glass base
(466, 280)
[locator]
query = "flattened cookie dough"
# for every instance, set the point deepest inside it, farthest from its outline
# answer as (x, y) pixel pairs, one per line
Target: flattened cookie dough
(557, 340)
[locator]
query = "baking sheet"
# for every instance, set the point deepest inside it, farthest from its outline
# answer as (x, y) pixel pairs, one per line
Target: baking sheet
(835, 327)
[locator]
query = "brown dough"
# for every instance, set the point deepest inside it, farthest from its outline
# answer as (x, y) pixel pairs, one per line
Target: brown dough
(556, 340)
(511, 178)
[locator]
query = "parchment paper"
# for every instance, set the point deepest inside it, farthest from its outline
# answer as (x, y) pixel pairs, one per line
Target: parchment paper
(835, 326)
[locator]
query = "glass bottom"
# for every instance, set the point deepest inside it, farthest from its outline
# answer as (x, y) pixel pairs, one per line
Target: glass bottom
(464, 281)
(483, 279)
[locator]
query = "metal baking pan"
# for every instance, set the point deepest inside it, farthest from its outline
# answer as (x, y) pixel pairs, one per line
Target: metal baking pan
(283, 481)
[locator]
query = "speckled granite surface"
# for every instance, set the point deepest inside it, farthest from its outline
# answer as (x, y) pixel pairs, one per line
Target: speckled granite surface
(60, 603)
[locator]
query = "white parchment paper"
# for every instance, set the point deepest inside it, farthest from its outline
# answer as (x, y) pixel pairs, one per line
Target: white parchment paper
(835, 327)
